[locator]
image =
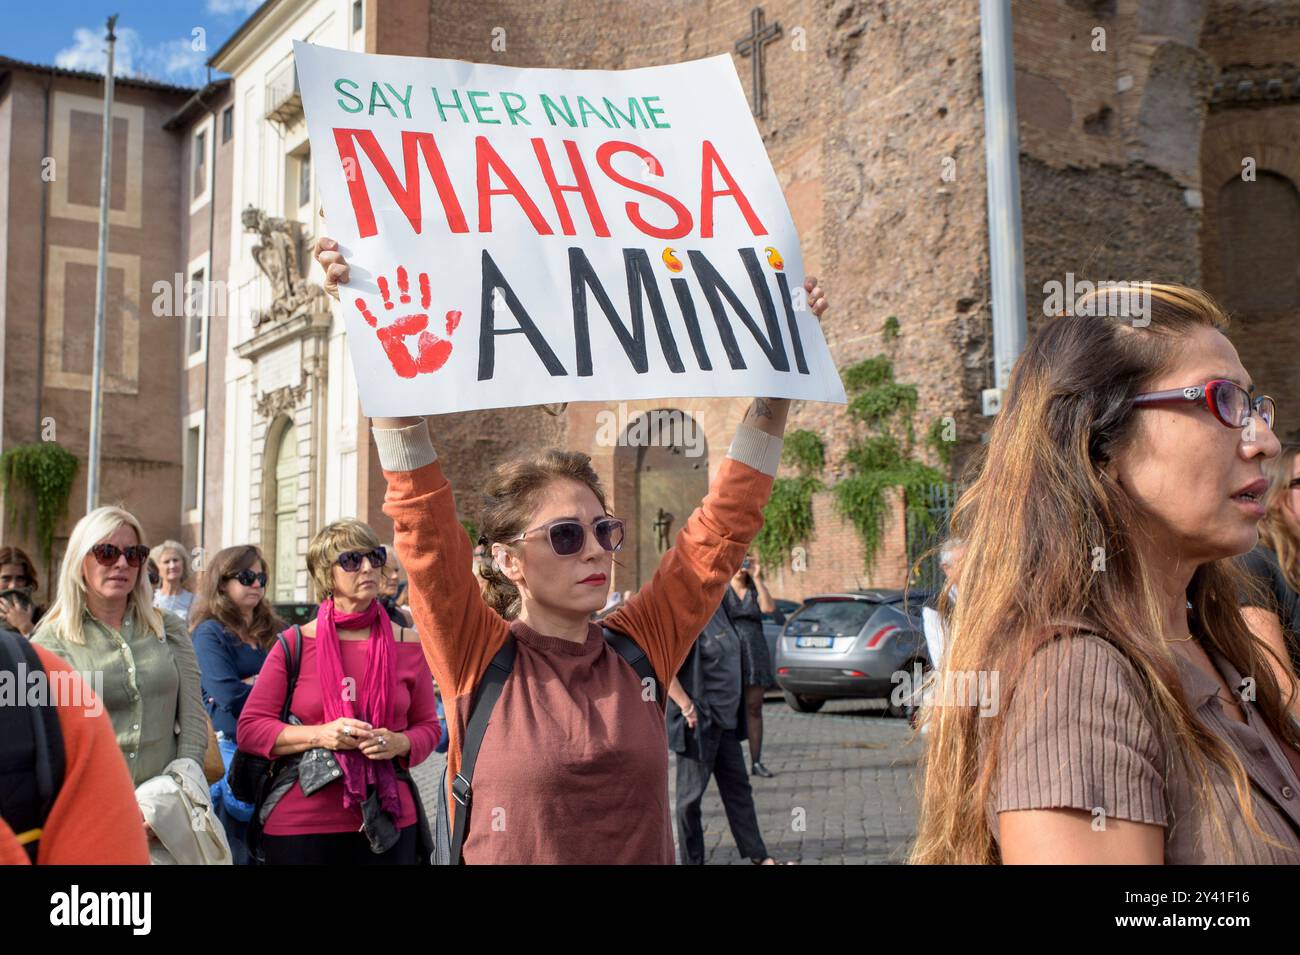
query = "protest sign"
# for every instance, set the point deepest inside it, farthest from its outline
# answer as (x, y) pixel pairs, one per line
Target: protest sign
(528, 236)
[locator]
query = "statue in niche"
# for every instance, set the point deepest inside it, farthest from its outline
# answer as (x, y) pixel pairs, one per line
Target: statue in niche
(279, 254)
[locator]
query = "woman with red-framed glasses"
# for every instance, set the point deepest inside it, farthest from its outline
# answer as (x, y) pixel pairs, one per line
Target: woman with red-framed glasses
(104, 623)
(1138, 719)
(573, 766)
(1272, 605)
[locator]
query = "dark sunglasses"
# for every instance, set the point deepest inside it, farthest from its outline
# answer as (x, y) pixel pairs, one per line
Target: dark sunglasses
(107, 554)
(248, 576)
(351, 560)
(568, 537)
(1226, 400)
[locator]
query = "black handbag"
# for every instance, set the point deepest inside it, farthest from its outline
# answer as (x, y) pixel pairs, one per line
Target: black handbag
(250, 773)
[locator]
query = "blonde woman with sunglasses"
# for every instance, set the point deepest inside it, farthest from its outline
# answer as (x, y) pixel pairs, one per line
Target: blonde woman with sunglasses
(104, 623)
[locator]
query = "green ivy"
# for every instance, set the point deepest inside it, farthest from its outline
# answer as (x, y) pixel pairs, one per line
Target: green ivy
(46, 471)
(876, 405)
(880, 452)
(869, 373)
(787, 518)
(882, 458)
(935, 441)
(861, 498)
(805, 451)
(877, 460)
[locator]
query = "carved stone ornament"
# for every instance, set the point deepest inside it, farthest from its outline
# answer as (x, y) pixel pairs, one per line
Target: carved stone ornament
(279, 255)
(283, 399)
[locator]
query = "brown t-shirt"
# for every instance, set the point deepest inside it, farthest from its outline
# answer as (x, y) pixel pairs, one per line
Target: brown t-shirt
(574, 764)
(1079, 735)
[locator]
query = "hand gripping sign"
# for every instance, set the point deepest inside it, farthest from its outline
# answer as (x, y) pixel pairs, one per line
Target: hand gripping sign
(530, 236)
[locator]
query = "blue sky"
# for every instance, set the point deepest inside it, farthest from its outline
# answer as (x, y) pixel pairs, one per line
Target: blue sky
(156, 38)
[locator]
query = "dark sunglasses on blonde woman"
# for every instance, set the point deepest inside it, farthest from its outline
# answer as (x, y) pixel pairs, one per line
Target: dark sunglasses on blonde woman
(568, 537)
(350, 560)
(107, 554)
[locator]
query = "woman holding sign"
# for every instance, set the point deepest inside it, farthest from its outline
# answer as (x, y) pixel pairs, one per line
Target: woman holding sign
(573, 766)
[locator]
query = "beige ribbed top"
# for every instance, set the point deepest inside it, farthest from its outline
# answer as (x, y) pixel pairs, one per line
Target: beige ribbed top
(1079, 735)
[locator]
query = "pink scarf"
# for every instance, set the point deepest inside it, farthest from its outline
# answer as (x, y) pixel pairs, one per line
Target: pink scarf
(374, 701)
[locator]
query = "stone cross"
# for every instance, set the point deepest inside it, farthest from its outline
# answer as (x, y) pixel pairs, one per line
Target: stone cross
(663, 523)
(752, 46)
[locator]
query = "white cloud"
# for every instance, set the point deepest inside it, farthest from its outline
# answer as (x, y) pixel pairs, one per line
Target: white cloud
(172, 61)
(175, 60)
(88, 51)
(225, 8)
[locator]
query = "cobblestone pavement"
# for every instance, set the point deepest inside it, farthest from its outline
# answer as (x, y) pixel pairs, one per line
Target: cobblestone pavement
(844, 790)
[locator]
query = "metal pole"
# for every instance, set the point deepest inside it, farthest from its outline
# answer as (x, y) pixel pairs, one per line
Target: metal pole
(1002, 154)
(97, 368)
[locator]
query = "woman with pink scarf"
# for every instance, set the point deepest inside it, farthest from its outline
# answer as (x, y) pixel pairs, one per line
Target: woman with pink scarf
(363, 712)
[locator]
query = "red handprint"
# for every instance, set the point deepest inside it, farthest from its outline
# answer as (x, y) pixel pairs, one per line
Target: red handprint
(432, 351)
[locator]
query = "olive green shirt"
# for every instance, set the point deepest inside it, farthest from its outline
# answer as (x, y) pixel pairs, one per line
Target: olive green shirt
(150, 689)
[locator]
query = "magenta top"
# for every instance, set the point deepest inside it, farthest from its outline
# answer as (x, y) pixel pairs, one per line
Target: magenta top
(259, 727)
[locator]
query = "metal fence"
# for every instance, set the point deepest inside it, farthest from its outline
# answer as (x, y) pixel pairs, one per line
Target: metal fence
(927, 527)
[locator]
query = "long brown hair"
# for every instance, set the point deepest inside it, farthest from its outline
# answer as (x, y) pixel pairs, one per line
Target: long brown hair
(1273, 532)
(211, 602)
(1040, 505)
(510, 500)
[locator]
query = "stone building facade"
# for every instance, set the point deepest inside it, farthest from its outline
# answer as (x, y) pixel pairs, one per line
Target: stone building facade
(1171, 155)
(51, 123)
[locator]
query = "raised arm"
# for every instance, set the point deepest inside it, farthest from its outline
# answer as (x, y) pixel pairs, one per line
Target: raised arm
(459, 631)
(765, 602)
(668, 613)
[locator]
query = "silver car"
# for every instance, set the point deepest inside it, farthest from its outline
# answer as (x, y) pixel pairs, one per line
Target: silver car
(852, 645)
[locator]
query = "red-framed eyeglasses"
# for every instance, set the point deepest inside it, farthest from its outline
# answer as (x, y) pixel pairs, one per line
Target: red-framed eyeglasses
(1226, 400)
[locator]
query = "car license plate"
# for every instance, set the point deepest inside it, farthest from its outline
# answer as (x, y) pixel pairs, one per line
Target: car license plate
(815, 643)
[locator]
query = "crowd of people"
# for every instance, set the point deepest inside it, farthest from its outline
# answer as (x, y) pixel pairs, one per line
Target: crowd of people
(1129, 558)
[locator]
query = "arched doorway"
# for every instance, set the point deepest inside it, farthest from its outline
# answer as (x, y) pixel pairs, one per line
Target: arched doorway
(1258, 240)
(280, 514)
(672, 477)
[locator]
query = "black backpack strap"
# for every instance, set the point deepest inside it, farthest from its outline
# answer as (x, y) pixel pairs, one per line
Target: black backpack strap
(293, 659)
(32, 759)
(631, 652)
(485, 699)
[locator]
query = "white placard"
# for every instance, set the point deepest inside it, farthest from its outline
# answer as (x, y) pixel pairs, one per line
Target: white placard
(527, 236)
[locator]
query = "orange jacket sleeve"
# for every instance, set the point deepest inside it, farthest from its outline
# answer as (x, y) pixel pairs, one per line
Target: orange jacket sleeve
(95, 819)
(459, 631)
